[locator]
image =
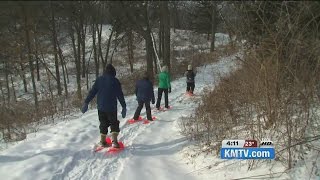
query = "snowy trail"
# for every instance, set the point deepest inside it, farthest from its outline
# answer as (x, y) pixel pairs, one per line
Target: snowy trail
(64, 151)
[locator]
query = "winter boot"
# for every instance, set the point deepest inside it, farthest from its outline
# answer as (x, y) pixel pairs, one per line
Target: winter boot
(103, 140)
(114, 137)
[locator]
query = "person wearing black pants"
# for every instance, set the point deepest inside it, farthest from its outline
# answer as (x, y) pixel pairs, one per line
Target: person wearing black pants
(106, 120)
(164, 87)
(139, 108)
(190, 87)
(145, 94)
(166, 98)
(190, 75)
(108, 90)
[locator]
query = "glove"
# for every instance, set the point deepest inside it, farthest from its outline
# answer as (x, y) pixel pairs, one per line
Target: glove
(84, 108)
(169, 90)
(124, 112)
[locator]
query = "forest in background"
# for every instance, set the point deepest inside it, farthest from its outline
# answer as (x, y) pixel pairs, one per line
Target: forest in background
(53, 50)
(274, 94)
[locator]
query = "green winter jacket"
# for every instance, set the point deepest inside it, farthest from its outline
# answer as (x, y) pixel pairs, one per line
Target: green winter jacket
(164, 80)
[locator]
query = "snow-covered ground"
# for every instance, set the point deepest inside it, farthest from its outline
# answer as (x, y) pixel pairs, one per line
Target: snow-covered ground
(64, 151)
(153, 151)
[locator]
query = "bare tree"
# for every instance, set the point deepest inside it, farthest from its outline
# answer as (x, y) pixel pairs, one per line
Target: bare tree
(165, 18)
(130, 48)
(28, 25)
(214, 24)
(55, 50)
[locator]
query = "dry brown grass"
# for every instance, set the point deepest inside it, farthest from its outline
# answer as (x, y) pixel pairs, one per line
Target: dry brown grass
(273, 95)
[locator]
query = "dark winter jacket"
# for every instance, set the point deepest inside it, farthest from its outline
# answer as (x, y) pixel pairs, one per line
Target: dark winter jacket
(108, 90)
(144, 90)
(190, 75)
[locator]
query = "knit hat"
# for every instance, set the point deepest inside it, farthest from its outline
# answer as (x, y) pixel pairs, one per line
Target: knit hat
(145, 75)
(110, 70)
(164, 68)
(189, 67)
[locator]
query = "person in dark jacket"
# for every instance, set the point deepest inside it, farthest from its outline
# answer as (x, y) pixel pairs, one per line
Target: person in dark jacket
(145, 95)
(190, 75)
(108, 90)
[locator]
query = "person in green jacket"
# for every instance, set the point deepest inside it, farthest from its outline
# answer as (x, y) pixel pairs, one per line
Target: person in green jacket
(164, 87)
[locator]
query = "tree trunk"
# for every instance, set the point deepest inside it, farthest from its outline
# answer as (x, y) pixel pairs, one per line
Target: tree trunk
(7, 81)
(130, 49)
(87, 70)
(13, 89)
(149, 45)
(2, 92)
(23, 76)
(46, 67)
(37, 57)
(155, 64)
(161, 32)
(37, 66)
(49, 84)
(108, 48)
(149, 56)
(64, 69)
(77, 62)
(55, 51)
(27, 33)
(155, 54)
(175, 19)
(214, 24)
(95, 56)
(166, 34)
(83, 28)
(118, 41)
(63, 63)
(99, 43)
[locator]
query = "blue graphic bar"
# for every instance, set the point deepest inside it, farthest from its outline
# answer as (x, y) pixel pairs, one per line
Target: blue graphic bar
(247, 153)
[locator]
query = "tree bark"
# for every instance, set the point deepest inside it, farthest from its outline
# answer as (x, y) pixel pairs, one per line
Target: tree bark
(213, 25)
(82, 39)
(83, 44)
(130, 49)
(63, 63)
(27, 34)
(37, 57)
(176, 23)
(64, 69)
(7, 81)
(13, 89)
(23, 76)
(77, 62)
(37, 65)
(161, 31)
(155, 64)
(149, 56)
(149, 45)
(95, 55)
(2, 92)
(55, 51)
(166, 34)
(108, 48)
(99, 43)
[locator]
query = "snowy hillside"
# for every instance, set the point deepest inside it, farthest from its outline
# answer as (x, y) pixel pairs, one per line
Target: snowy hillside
(64, 151)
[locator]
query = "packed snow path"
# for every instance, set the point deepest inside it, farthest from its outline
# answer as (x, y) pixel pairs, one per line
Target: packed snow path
(64, 151)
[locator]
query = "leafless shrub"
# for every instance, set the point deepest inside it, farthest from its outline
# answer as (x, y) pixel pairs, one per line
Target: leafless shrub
(274, 94)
